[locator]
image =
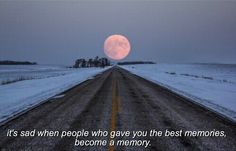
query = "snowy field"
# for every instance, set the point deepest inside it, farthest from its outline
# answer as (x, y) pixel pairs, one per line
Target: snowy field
(15, 73)
(29, 85)
(211, 85)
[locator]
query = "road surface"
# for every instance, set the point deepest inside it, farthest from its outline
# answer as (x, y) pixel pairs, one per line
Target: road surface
(117, 100)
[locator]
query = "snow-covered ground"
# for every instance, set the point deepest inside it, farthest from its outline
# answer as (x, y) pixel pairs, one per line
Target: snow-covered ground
(211, 85)
(45, 82)
(14, 73)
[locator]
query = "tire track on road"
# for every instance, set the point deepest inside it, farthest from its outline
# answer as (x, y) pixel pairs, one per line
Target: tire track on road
(93, 117)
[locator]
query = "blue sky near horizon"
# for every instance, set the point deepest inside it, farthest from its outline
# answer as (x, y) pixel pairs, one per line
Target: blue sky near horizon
(58, 32)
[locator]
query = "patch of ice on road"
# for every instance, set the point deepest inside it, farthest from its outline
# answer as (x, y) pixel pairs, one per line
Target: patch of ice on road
(18, 96)
(211, 85)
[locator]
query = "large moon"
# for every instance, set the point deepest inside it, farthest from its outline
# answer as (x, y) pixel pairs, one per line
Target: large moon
(117, 47)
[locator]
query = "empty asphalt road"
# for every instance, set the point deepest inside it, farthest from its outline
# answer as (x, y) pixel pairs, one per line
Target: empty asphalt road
(116, 100)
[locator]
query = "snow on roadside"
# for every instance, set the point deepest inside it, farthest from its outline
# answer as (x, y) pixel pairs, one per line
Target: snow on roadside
(213, 86)
(19, 96)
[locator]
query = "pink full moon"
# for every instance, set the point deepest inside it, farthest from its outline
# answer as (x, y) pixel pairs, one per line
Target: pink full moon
(117, 47)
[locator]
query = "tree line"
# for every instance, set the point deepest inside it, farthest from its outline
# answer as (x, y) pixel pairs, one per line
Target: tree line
(135, 62)
(92, 62)
(9, 62)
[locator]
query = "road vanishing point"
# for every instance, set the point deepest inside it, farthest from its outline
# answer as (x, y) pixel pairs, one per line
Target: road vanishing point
(117, 100)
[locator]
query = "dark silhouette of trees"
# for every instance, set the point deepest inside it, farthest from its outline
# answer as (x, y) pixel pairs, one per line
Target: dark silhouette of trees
(90, 63)
(135, 62)
(9, 62)
(78, 63)
(96, 62)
